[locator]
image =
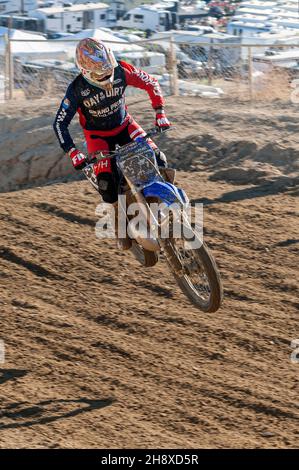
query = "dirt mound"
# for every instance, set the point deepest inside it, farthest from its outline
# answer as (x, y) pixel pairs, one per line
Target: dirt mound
(250, 173)
(100, 353)
(208, 136)
(29, 151)
(239, 162)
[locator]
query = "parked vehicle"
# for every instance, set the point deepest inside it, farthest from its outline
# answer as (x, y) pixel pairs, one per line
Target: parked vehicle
(148, 18)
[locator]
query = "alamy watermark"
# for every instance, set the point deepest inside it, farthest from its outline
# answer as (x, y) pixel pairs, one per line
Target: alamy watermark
(153, 220)
(295, 353)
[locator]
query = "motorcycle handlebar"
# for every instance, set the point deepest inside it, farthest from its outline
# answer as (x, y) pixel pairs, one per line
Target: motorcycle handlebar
(154, 131)
(158, 131)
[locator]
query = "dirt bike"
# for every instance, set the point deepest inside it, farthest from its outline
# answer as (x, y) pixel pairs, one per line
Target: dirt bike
(147, 185)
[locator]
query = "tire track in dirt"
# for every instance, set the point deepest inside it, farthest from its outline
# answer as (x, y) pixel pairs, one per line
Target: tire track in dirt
(94, 329)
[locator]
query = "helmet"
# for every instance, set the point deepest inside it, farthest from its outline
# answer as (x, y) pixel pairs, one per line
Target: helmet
(96, 62)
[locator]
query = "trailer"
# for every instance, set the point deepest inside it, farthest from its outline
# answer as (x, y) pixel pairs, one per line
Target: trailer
(148, 18)
(74, 18)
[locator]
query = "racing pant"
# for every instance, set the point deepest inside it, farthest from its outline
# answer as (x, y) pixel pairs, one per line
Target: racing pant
(105, 142)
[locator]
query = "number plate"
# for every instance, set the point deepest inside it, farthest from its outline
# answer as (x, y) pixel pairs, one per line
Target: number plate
(137, 161)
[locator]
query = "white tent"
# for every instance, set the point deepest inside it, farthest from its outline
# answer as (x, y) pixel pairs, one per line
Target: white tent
(108, 38)
(193, 38)
(31, 46)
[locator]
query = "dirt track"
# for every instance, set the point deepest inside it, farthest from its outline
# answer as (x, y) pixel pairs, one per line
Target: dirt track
(102, 354)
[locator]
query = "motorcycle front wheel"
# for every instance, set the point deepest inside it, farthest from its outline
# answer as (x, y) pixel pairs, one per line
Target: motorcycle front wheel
(195, 271)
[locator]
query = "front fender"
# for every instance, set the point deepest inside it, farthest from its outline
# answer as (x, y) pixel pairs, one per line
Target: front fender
(167, 192)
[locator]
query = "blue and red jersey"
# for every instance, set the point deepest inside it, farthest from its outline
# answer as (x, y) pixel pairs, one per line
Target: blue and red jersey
(100, 110)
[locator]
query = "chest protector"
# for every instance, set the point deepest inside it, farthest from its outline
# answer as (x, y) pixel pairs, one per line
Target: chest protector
(100, 109)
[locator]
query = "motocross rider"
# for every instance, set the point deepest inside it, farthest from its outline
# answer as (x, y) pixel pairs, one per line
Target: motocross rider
(97, 94)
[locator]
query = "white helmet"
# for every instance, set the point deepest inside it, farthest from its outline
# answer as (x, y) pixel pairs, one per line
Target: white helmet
(96, 62)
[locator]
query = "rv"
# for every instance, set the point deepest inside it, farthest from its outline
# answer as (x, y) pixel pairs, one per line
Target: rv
(26, 23)
(74, 18)
(148, 18)
(17, 6)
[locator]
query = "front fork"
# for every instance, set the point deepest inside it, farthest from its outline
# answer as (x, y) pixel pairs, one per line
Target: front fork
(165, 245)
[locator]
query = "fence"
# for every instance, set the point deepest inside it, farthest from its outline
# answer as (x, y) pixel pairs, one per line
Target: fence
(33, 69)
(2, 78)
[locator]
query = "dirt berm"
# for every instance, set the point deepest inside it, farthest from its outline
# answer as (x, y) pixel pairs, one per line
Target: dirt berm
(100, 353)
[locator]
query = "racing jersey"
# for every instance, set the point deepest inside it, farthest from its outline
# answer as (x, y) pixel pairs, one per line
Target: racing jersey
(99, 109)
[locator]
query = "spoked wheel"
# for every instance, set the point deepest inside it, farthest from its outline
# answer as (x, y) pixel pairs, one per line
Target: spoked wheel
(195, 271)
(145, 257)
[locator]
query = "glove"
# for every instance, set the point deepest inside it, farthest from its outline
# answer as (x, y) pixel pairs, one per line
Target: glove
(161, 120)
(78, 158)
